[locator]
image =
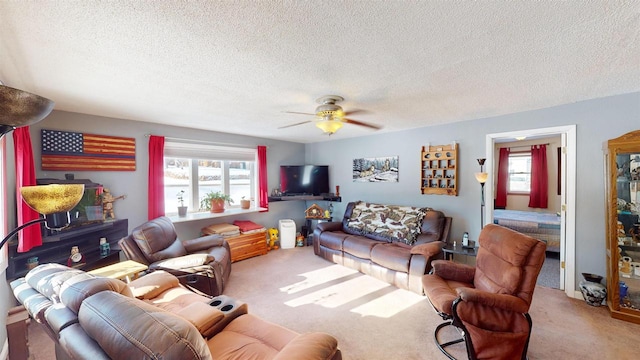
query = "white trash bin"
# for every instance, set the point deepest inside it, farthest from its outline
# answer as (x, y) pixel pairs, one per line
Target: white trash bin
(287, 234)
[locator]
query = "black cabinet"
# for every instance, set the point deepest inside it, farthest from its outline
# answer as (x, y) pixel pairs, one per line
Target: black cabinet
(57, 248)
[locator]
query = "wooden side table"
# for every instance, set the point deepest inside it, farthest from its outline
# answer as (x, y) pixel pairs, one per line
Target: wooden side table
(127, 270)
(449, 250)
(17, 333)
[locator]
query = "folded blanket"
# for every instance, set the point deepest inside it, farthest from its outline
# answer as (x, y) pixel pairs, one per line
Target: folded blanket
(220, 229)
(230, 233)
(254, 231)
(246, 225)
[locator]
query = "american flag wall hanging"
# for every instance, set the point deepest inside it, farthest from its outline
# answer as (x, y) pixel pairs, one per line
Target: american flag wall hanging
(65, 150)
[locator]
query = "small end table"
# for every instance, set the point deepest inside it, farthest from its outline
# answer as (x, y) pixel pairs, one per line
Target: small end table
(448, 250)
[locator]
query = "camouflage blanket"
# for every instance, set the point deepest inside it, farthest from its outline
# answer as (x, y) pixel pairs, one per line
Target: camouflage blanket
(396, 223)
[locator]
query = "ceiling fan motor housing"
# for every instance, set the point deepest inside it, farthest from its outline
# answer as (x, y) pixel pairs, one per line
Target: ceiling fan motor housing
(329, 107)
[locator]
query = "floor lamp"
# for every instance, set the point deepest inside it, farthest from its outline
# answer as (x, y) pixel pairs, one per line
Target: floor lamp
(19, 108)
(482, 178)
(50, 201)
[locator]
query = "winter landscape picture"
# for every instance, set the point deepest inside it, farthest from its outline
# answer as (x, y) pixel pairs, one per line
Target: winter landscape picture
(378, 169)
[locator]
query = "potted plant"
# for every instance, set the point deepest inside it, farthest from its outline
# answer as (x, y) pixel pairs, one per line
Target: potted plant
(182, 210)
(214, 201)
(245, 204)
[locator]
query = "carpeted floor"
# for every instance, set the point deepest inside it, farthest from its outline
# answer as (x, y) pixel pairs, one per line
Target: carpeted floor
(550, 274)
(374, 320)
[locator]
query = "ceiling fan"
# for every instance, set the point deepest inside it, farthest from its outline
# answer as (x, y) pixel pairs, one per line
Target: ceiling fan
(331, 116)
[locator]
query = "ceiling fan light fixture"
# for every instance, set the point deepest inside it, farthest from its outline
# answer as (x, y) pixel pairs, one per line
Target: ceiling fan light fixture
(329, 126)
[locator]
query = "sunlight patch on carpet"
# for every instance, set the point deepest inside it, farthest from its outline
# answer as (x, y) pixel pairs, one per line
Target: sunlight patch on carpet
(318, 277)
(389, 304)
(340, 294)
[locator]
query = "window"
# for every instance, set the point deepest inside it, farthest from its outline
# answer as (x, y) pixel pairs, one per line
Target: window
(519, 173)
(194, 170)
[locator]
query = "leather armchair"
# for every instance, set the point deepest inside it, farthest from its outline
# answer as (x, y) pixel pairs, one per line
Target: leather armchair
(489, 303)
(203, 263)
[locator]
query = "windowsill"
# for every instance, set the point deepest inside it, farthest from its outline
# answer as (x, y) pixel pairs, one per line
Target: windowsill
(210, 215)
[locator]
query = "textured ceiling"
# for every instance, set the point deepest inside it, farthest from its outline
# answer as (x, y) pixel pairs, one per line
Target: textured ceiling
(236, 66)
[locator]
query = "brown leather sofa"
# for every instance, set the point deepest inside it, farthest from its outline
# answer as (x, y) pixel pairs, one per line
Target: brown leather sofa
(154, 317)
(203, 263)
(381, 256)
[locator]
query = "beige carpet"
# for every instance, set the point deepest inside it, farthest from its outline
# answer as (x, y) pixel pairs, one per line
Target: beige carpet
(374, 320)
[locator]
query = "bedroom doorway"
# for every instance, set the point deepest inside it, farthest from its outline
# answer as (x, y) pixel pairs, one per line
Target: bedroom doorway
(567, 187)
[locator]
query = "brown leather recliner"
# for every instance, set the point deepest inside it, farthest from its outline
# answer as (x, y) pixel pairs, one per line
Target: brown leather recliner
(153, 317)
(489, 303)
(203, 263)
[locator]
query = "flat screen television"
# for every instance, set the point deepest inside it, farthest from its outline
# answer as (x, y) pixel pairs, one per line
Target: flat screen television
(304, 179)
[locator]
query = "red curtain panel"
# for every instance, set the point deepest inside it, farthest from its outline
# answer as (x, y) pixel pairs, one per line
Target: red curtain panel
(539, 178)
(503, 179)
(263, 190)
(31, 236)
(156, 177)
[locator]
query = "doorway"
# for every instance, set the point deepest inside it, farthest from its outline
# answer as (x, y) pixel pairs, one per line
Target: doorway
(568, 192)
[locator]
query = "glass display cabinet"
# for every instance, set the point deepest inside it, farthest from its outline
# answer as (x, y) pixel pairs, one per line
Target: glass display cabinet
(622, 181)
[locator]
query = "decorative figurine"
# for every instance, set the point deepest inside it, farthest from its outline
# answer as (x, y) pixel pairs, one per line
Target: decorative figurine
(273, 237)
(299, 240)
(76, 257)
(105, 248)
(107, 204)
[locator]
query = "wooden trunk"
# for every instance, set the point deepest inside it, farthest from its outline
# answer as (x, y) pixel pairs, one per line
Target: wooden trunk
(246, 246)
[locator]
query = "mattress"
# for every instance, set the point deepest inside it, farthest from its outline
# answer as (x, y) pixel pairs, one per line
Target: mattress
(539, 225)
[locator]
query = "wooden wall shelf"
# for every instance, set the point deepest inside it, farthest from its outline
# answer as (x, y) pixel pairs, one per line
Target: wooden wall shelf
(439, 174)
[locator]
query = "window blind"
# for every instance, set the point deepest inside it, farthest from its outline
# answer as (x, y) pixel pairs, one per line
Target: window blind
(209, 152)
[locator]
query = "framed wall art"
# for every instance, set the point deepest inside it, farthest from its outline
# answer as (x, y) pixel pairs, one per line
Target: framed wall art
(377, 169)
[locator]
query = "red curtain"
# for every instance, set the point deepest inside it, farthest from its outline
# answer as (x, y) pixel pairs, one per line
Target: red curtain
(156, 177)
(263, 190)
(539, 178)
(31, 236)
(503, 179)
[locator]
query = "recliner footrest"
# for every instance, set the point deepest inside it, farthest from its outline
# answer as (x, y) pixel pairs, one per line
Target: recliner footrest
(202, 280)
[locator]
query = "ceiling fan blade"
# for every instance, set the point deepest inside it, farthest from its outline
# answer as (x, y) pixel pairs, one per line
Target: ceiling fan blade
(301, 113)
(355, 111)
(360, 123)
(296, 124)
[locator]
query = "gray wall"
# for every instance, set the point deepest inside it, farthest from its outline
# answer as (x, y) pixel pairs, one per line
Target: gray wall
(596, 121)
(133, 184)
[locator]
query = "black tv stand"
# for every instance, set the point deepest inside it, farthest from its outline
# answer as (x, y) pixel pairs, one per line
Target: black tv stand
(57, 248)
